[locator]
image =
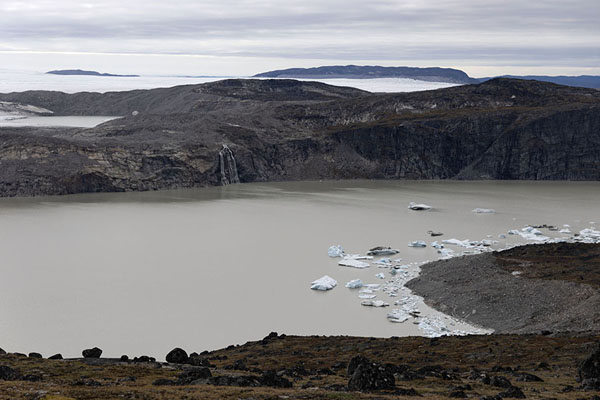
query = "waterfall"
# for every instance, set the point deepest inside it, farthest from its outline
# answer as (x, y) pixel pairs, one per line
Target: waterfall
(229, 172)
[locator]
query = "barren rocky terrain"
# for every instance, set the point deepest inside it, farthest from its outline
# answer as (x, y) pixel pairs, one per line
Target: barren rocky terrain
(289, 130)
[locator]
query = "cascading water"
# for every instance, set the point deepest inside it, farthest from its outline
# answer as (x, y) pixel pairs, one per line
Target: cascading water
(229, 172)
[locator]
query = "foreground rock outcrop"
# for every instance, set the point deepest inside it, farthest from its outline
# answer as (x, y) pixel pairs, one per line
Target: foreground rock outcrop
(289, 130)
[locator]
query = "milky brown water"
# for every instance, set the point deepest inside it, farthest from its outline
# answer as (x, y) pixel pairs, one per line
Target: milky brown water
(141, 273)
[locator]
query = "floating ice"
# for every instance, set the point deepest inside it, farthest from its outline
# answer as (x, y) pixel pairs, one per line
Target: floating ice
(366, 296)
(483, 210)
(418, 207)
(502, 236)
(565, 230)
(354, 284)
(384, 262)
(397, 315)
(380, 275)
(352, 262)
(446, 253)
(437, 245)
(433, 326)
(335, 251)
(374, 303)
(324, 283)
(382, 251)
(417, 243)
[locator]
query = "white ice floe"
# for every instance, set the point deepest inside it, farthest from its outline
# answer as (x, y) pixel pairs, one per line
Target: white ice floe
(418, 207)
(324, 283)
(385, 262)
(446, 253)
(352, 262)
(565, 230)
(380, 275)
(354, 284)
(483, 210)
(335, 251)
(502, 236)
(397, 315)
(589, 235)
(417, 243)
(382, 251)
(366, 296)
(374, 303)
(437, 245)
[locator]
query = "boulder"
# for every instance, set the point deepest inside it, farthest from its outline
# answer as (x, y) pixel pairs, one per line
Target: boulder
(8, 374)
(2, 352)
(191, 375)
(177, 356)
(35, 355)
(512, 392)
(369, 375)
(92, 353)
(124, 358)
(270, 378)
(590, 367)
(198, 361)
(56, 357)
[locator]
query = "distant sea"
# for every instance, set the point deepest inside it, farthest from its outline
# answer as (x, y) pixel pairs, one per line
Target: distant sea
(19, 81)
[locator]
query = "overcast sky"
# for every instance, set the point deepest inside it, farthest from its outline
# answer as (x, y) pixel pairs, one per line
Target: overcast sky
(242, 37)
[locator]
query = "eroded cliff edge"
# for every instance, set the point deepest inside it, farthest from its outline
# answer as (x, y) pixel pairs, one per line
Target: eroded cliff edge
(291, 130)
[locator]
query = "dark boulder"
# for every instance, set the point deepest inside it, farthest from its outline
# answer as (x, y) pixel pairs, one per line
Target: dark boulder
(8, 374)
(369, 375)
(512, 392)
(526, 377)
(177, 356)
(270, 378)
(35, 355)
(198, 361)
(92, 353)
(500, 381)
(270, 337)
(32, 377)
(191, 375)
(458, 394)
(124, 358)
(590, 367)
(241, 381)
(144, 359)
(355, 362)
(2, 352)
(407, 392)
(239, 365)
(56, 357)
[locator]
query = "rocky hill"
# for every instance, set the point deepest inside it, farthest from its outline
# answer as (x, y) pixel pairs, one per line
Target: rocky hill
(433, 74)
(266, 130)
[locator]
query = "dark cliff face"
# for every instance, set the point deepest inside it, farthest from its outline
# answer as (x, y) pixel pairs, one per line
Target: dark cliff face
(290, 130)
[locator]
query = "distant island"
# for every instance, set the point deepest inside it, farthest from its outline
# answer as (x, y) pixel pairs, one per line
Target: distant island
(433, 74)
(83, 72)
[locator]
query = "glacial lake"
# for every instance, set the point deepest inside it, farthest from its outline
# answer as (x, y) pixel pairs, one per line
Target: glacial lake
(74, 121)
(141, 273)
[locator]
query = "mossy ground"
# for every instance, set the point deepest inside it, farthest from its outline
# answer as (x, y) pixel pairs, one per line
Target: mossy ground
(64, 379)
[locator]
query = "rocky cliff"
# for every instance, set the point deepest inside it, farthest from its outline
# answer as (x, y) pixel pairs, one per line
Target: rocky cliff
(290, 130)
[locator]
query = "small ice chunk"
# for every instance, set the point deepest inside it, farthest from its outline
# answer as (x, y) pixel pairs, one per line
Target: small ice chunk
(397, 315)
(324, 283)
(418, 207)
(374, 286)
(366, 296)
(417, 243)
(354, 284)
(382, 251)
(352, 262)
(383, 261)
(335, 251)
(483, 210)
(516, 273)
(374, 303)
(380, 275)
(565, 230)
(437, 245)
(502, 236)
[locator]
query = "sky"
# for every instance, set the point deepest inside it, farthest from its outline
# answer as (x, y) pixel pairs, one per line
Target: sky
(244, 37)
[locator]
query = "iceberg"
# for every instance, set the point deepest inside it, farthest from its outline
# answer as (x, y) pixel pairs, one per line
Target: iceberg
(397, 315)
(324, 283)
(382, 251)
(354, 284)
(335, 251)
(366, 296)
(483, 210)
(437, 245)
(380, 275)
(352, 262)
(418, 207)
(374, 303)
(417, 243)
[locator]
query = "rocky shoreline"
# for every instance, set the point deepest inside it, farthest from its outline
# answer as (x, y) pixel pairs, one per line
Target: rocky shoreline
(548, 288)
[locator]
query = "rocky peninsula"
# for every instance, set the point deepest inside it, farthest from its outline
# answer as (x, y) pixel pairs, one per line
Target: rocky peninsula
(276, 130)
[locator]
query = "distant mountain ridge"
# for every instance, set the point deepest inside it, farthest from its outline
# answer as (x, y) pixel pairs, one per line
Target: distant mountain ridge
(84, 72)
(586, 81)
(433, 74)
